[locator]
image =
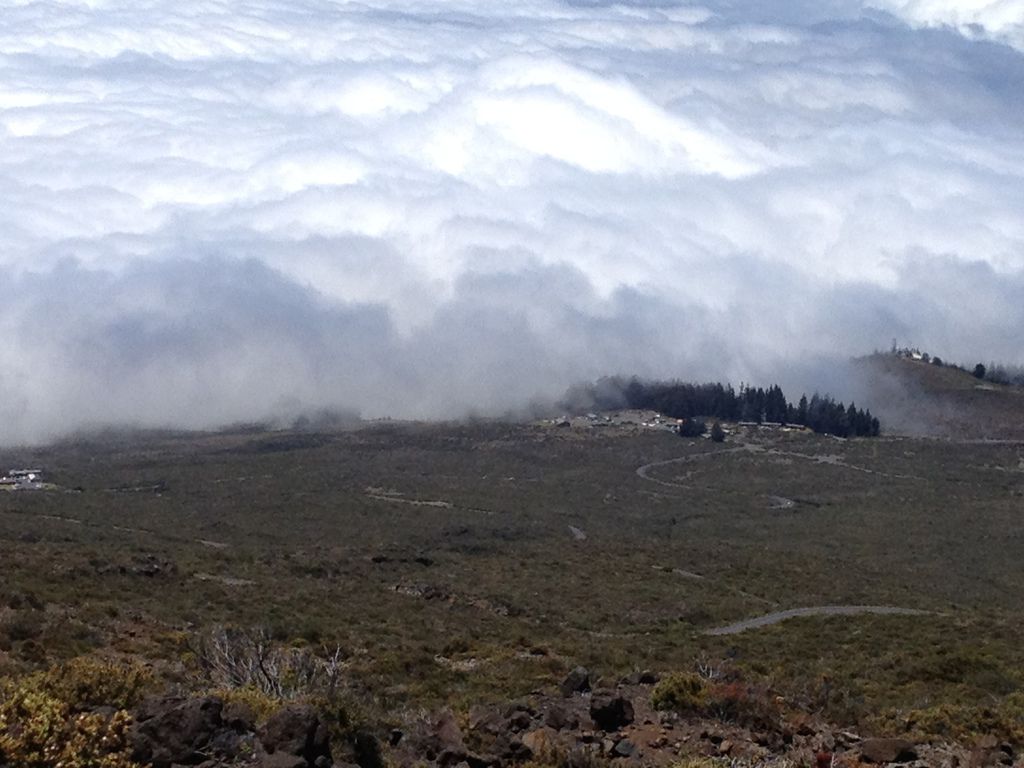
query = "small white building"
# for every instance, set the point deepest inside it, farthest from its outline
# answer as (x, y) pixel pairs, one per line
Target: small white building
(22, 479)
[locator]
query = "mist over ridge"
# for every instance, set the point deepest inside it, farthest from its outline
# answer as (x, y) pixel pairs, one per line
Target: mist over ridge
(212, 214)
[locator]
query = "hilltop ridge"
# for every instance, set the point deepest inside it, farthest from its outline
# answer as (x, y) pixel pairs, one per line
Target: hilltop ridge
(921, 398)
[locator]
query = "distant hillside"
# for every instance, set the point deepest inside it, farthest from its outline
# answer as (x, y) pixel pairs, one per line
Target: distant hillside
(914, 397)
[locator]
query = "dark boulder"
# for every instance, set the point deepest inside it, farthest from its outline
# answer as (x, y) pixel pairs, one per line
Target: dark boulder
(486, 720)
(624, 748)
(610, 711)
(228, 743)
(580, 757)
(519, 720)
(282, 760)
(296, 730)
(239, 716)
(888, 751)
(645, 677)
(511, 749)
(577, 681)
(560, 718)
(173, 730)
(439, 737)
(367, 750)
(450, 758)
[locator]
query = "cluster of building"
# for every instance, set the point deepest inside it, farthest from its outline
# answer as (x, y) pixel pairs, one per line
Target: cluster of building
(22, 480)
(635, 419)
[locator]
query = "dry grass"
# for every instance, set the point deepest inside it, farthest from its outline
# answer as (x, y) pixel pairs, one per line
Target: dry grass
(491, 594)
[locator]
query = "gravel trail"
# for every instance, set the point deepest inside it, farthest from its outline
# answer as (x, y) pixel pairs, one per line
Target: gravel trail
(819, 610)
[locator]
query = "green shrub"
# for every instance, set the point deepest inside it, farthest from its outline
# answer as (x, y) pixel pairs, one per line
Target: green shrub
(959, 665)
(680, 692)
(262, 704)
(38, 729)
(88, 682)
(962, 722)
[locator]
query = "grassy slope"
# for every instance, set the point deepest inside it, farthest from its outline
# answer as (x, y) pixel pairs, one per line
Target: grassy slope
(934, 525)
(918, 398)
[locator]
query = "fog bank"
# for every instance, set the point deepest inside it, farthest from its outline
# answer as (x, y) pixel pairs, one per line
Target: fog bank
(213, 213)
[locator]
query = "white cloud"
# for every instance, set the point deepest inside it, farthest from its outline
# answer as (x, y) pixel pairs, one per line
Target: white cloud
(1000, 19)
(212, 211)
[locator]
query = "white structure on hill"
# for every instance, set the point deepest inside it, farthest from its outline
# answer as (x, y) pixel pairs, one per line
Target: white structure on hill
(22, 479)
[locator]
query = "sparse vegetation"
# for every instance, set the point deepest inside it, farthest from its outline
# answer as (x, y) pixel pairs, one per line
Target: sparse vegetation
(408, 567)
(250, 659)
(727, 700)
(961, 722)
(997, 373)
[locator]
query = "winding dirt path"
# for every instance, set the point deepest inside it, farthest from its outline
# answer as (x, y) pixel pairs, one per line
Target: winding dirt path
(833, 460)
(819, 610)
(836, 460)
(780, 502)
(643, 472)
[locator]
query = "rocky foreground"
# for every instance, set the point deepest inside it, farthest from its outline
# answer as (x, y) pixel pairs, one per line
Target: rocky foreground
(582, 725)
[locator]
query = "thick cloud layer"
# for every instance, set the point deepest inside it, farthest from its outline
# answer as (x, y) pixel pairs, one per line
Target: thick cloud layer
(214, 211)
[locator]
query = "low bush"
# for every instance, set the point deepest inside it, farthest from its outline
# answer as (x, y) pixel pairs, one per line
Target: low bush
(260, 703)
(250, 667)
(966, 723)
(88, 682)
(729, 701)
(682, 692)
(21, 626)
(251, 658)
(43, 723)
(737, 702)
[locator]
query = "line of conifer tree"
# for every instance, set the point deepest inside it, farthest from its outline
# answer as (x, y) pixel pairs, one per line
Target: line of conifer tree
(680, 400)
